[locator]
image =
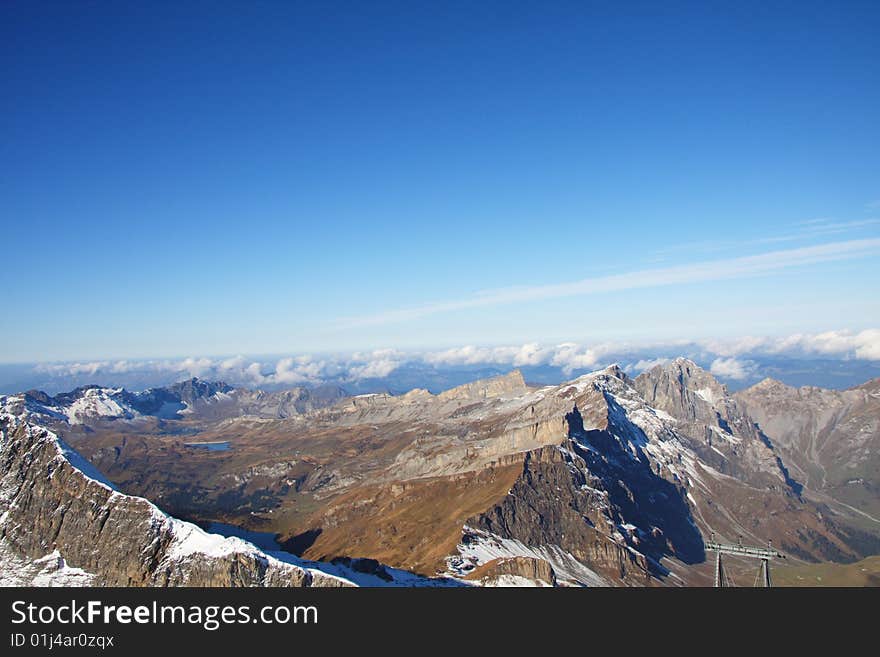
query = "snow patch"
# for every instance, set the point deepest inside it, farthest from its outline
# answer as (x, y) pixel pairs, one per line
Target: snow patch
(706, 395)
(49, 570)
(515, 581)
(479, 547)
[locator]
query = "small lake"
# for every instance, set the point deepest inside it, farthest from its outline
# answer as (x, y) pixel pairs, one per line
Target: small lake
(218, 446)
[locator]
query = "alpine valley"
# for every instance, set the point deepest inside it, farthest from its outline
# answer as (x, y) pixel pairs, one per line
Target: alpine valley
(605, 480)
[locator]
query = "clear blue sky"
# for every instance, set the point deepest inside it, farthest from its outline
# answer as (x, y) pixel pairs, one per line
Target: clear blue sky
(212, 178)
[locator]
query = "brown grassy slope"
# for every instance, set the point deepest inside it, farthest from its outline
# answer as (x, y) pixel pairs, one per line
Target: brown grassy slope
(413, 525)
(861, 573)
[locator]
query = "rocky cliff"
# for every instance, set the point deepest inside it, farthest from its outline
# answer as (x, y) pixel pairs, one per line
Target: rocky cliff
(53, 503)
(829, 438)
(713, 423)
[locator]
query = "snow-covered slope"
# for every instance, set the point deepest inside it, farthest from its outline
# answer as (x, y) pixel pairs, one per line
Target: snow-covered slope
(98, 535)
(77, 407)
(482, 547)
(50, 570)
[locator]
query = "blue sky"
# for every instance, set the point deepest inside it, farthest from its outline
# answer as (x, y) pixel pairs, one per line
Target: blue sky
(238, 178)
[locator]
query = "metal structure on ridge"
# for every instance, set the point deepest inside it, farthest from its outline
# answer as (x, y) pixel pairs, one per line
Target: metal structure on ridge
(764, 554)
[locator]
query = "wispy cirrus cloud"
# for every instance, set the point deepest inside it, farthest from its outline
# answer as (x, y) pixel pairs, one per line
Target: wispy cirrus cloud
(713, 270)
(802, 231)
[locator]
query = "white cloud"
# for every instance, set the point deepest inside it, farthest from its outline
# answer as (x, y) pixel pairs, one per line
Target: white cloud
(863, 345)
(530, 354)
(71, 369)
(253, 372)
(288, 370)
(197, 367)
(736, 346)
(801, 231)
(731, 368)
(869, 347)
(733, 358)
(471, 355)
(236, 363)
(569, 356)
(731, 268)
(374, 365)
(376, 369)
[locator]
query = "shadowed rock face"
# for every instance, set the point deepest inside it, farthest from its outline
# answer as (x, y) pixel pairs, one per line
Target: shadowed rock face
(551, 504)
(588, 494)
(638, 496)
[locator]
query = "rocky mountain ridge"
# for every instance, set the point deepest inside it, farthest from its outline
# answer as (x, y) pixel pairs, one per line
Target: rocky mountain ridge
(829, 438)
(193, 397)
(606, 479)
(59, 514)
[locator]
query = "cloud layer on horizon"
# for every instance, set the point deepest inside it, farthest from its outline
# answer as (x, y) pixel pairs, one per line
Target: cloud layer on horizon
(728, 359)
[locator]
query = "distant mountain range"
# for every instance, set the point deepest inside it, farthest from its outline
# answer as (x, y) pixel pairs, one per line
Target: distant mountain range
(90, 403)
(602, 480)
(441, 372)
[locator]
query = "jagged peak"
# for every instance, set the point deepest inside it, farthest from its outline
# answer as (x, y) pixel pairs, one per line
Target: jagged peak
(769, 382)
(197, 382)
(768, 385)
(615, 371)
(611, 379)
(681, 381)
(681, 367)
(38, 396)
(195, 388)
(514, 376)
(686, 364)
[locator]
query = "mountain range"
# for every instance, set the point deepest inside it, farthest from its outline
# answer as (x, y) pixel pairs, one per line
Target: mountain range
(601, 480)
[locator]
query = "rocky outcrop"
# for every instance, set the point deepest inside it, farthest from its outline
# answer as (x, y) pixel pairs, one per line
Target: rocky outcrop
(514, 571)
(508, 384)
(281, 404)
(713, 423)
(830, 438)
(684, 390)
(52, 501)
(554, 504)
(744, 464)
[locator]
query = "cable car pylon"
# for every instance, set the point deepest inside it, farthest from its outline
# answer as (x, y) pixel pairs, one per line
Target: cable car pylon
(764, 554)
